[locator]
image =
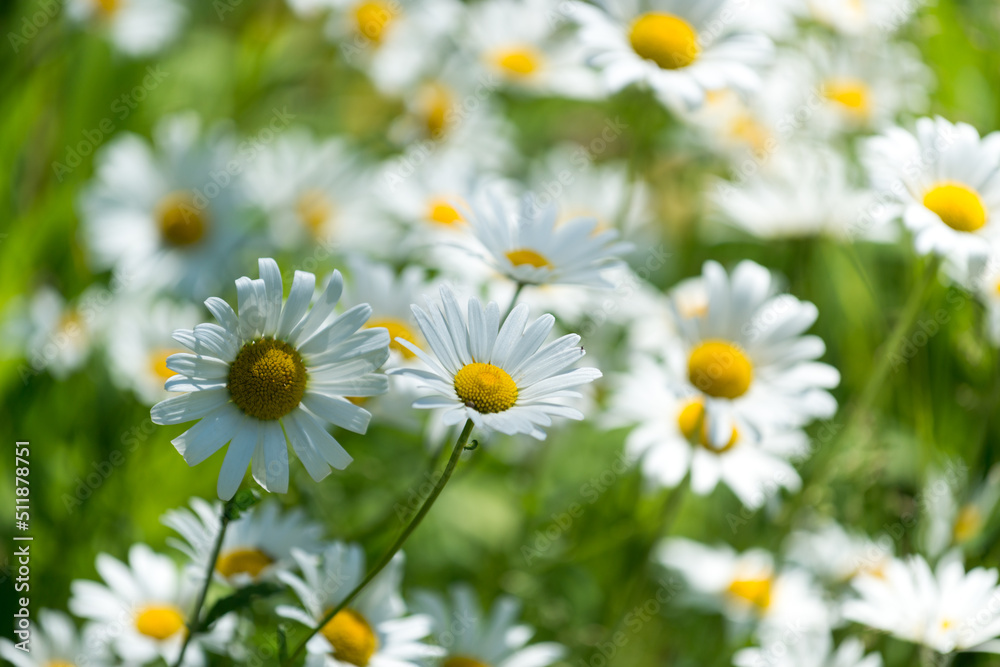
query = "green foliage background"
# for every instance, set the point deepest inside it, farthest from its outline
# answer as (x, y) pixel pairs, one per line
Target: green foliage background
(941, 403)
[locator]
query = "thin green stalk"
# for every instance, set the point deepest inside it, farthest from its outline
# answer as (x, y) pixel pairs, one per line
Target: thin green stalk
(460, 444)
(194, 626)
(513, 301)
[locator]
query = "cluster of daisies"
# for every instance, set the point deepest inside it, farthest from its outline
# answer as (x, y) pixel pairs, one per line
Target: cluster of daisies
(464, 269)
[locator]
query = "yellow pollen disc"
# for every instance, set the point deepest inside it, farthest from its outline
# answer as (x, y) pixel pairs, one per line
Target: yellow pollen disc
(958, 206)
(159, 622)
(689, 420)
(852, 94)
(443, 213)
(524, 256)
(397, 329)
(667, 40)
(462, 661)
(182, 222)
(351, 636)
(745, 129)
(434, 101)
(756, 591)
(372, 17)
(314, 208)
(719, 369)
(59, 663)
(107, 7)
(968, 523)
(267, 379)
(242, 561)
(519, 61)
(485, 388)
(158, 363)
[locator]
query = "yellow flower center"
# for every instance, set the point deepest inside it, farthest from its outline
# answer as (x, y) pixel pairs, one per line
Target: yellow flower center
(720, 369)
(667, 40)
(182, 222)
(434, 101)
(242, 561)
(692, 420)
(159, 622)
(59, 663)
(519, 61)
(267, 379)
(968, 523)
(745, 129)
(107, 7)
(372, 17)
(158, 363)
(755, 590)
(523, 256)
(442, 212)
(351, 636)
(485, 388)
(852, 94)
(462, 661)
(314, 208)
(958, 206)
(397, 329)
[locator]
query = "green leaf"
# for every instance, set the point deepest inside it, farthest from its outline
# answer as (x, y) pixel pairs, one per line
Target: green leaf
(241, 599)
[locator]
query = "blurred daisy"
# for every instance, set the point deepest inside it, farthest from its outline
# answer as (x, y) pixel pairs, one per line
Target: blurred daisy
(135, 27)
(256, 545)
(947, 610)
(159, 217)
(309, 191)
(957, 510)
(748, 358)
(500, 377)
(517, 41)
(857, 17)
(473, 638)
(55, 642)
(528, 244)
(670, 46)
(746, 586)
(374, 631)
(944, 181)
(836, 555)
(55, 335)
(273, 372)
(812, 650)
(671, 438)
(142, 609)
(982, 279)
(139, 342)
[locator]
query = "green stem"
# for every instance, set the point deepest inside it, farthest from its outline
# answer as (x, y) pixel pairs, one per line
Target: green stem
(460, 444)
(513, 301)
(194, 626)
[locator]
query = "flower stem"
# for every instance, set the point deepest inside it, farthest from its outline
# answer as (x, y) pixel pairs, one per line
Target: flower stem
(194, 626)
(513, 301)
(460, 444)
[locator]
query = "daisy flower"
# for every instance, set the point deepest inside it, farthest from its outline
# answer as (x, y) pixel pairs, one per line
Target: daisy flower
(670, 46)
(957, 511)
(500, 377)
(747, 587)
(859, 17)
(158, 217)
(473, 638)
(142, 609)
(274, 371)
(812, 650)
(56, 335)
(135, 27)
(748, 358)
(947, 609)
(374, 631)
(944, 181)
(672, 438)
(256, 545)
(139, 342)
(524, 242)
(55, 642)
(836, 555)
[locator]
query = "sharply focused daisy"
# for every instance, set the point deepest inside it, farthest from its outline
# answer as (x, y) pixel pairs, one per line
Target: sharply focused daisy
(274, 371)
(491, 638)
(672, 46)
(134, 27)
(671, 437)
(499, 375)
(55, 642)
(143, 607)
(159, 217)
(257, 544)
(748, 358)
(947, 609)
(529, 245)
(944, 181)
(373, 630)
